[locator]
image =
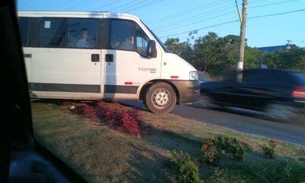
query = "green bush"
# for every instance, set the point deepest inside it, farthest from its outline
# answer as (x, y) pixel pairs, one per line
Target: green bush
(302, 155)
(210, 151)
(188, 171)
(269, 148)
(231, 145)
(213, 148)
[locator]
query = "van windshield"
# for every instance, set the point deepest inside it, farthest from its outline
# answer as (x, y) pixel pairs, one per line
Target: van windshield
(156, 37)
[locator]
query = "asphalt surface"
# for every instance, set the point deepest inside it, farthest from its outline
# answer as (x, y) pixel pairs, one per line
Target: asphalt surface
(245, 121)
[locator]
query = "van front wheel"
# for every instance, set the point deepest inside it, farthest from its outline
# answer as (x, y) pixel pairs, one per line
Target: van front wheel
(160, 98)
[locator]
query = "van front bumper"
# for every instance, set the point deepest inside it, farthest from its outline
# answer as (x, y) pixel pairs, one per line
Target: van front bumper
(188, 91)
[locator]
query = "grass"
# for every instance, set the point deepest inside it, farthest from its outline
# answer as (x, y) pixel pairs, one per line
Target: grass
(101, 154)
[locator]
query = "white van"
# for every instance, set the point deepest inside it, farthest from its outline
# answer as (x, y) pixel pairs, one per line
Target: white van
(100, 55)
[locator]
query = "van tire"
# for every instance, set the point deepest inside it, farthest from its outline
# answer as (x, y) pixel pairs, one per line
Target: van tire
(160, 98)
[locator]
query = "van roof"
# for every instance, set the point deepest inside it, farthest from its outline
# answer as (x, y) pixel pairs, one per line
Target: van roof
(88, 14)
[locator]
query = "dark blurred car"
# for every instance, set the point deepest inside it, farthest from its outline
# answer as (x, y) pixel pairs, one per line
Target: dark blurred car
(203, 77)
(278, 92)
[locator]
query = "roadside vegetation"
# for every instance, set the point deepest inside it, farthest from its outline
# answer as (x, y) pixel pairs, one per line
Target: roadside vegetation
(109, 142)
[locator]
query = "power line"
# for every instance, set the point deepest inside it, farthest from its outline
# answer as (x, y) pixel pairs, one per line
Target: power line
(143, 6)
(128, 4)
(181, 13)
(174, 23)
(131, 5)
(163, 29)
(198, 21)
(276, 14)
(77, 5)
(216, 25)
(258, 6)
(193, 19)
(114, 2)
(64, 2)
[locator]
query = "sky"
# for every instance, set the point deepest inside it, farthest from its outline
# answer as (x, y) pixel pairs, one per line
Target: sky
(268, 23)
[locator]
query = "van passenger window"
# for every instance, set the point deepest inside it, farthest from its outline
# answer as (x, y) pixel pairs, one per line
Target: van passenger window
(141, 41)
(52, 33)
(121, 35)
(82, 33)
(61, 33)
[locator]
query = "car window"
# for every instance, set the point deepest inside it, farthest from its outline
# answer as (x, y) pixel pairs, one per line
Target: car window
(268, 77)
(300, 77)
(252, 76)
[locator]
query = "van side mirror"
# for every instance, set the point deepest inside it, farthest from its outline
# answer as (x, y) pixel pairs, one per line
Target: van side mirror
(151, 49)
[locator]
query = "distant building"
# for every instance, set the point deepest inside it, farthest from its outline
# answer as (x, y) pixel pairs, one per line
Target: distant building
(275, 48)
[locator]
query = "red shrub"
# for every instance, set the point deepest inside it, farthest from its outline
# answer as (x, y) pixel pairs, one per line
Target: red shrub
(89, 112)
(130, 124)
(126, 121)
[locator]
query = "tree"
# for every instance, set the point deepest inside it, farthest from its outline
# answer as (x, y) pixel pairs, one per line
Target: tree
(187, 53)
(218, 56)
(293, 59)
(173, 45)
(184, 49)
(205, 50)
(254, 57)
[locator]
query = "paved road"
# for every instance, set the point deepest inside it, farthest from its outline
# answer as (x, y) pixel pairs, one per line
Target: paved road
(241, 120)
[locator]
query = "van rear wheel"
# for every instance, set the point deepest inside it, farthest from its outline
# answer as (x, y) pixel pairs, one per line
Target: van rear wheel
(160, 98)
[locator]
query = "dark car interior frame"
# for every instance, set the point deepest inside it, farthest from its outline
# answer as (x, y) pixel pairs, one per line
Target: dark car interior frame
(22, 158)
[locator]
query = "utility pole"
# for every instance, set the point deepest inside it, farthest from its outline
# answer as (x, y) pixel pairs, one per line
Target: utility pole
(242, 40)
(288, 45)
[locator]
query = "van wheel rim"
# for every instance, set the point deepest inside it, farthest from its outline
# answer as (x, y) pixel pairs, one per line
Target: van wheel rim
(161, 98)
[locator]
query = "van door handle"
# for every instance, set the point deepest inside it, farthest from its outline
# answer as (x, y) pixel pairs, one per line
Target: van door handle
(95, 58)
(109, 58)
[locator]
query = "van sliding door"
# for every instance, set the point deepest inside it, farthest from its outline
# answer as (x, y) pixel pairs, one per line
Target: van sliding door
(62, 67)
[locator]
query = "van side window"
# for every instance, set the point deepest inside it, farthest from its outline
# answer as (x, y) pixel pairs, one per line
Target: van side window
(82, 33)
(52, 33)
(141, 41)
(121, 35)
(24, 30)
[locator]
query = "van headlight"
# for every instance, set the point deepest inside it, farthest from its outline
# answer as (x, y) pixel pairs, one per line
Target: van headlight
(194, 75)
